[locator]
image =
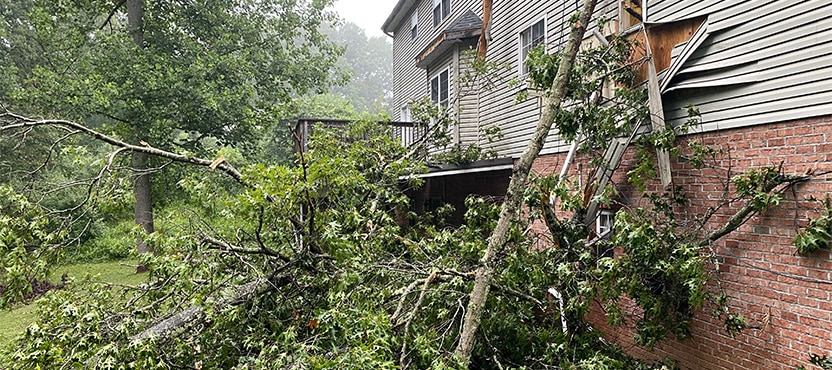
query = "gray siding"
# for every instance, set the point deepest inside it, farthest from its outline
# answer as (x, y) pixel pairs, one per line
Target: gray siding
(499, 106)
(761, 62)
(409, 81)
(496, 106)
(468, 113)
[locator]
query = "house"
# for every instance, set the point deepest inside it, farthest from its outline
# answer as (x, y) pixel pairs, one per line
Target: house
(760, 73)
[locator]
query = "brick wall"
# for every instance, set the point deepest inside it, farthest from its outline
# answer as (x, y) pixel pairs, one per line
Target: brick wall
(784, 295)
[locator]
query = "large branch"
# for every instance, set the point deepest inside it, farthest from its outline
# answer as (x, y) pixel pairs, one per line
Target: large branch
(514, 195)
(11, 121)
(197, 314)
(749, 209)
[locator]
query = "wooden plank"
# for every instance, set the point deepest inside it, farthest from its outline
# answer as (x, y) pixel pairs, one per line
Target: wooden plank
(654, 103)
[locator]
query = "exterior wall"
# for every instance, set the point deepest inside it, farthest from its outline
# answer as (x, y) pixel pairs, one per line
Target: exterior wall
(760, 63)
(411, 82)
(495, 106)
(787, 296)
(468, 108)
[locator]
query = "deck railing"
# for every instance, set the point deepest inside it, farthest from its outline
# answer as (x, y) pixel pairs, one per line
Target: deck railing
(409, 133)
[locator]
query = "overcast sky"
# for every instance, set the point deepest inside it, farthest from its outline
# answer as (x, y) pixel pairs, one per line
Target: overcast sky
(367, 14)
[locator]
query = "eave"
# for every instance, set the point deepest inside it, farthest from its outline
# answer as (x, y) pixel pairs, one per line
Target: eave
(399, 13)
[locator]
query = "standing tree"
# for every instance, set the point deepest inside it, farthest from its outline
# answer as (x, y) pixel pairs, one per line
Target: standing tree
(170, 73)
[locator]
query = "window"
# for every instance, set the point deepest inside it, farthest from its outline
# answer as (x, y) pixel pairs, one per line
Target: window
(604, 223)
(529, 38)
(404, 115)
(414, 20)
(631, 13)
(441, 9)
(439, 89)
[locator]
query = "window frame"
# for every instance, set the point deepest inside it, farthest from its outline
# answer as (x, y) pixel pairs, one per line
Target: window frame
(404, 114)
(437, 100)
(522, 50)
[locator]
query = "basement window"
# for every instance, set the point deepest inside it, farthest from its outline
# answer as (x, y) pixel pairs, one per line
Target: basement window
(439, 89)
(631, 13)
(604, 224)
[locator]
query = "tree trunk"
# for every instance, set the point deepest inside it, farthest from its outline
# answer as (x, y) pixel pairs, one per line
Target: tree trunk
(494, 255)
(143, 210)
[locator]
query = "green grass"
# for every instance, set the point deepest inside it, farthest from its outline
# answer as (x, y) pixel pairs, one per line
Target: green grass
(15, 321)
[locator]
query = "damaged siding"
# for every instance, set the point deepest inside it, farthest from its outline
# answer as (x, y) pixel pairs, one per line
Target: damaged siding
(757, 64)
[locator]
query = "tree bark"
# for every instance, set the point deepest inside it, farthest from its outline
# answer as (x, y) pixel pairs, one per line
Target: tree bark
(143, 209)
(494, 255)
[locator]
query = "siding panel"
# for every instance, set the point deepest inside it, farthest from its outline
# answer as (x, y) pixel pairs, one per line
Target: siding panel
(761, 63)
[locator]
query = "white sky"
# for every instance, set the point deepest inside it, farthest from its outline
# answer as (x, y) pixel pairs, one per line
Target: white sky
(367, 14)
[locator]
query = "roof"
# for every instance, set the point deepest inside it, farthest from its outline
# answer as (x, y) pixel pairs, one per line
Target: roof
(466, 22)
(467, 26)
(399, 13)
(447, 169)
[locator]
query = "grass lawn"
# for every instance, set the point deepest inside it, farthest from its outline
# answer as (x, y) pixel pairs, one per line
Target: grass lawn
(15, 321)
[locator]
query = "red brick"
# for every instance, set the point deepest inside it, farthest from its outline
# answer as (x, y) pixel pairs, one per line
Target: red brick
(760, 272)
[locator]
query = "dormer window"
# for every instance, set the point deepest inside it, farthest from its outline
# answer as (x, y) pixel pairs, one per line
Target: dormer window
(441, 9)
(414, 21)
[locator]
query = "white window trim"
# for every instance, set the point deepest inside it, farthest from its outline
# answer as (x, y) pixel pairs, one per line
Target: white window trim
(430, 87)
(520, 56)
(404, 114)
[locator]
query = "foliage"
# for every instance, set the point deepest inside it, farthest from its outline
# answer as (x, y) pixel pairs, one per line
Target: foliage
(653, 260)
(821, 361)
(110, 242)
(193, 77)
(363, 287)
(28, 245)
(589, 107)
(13, 322)
(817, 234)
(664, 272)
(322, 264)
